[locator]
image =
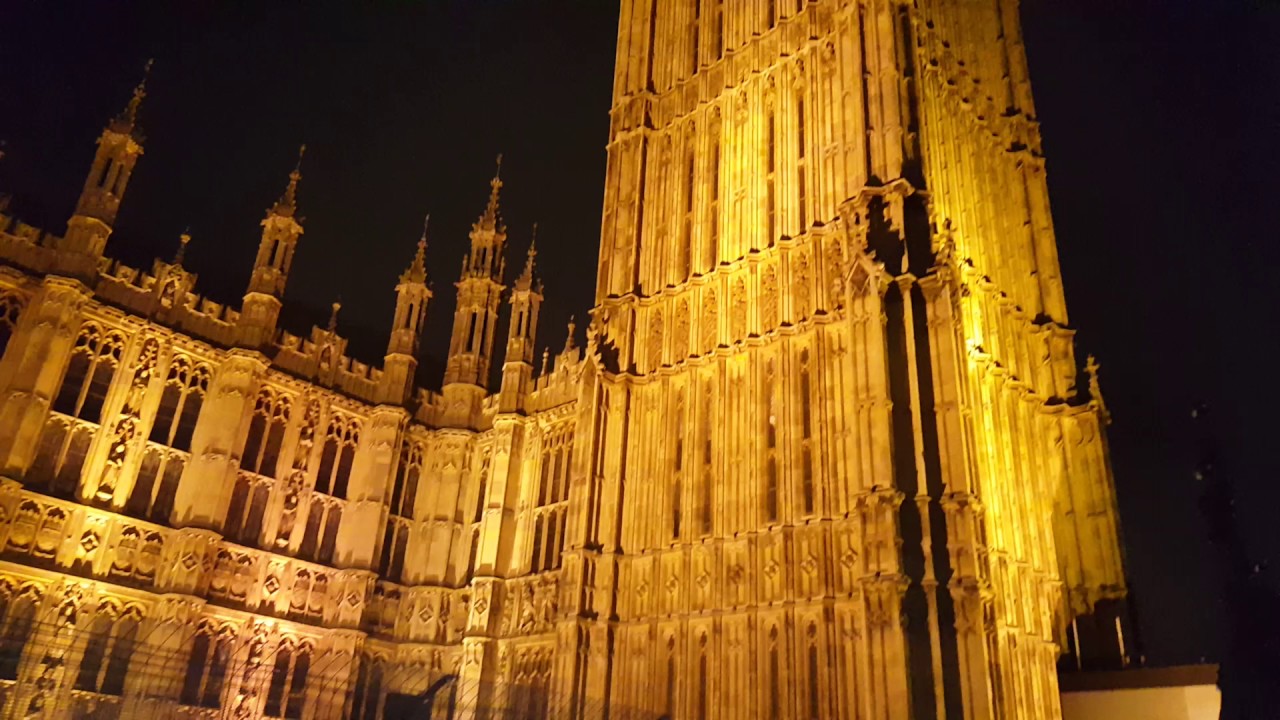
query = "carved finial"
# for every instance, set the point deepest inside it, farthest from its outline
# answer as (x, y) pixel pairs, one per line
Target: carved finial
(546, 356)
(527, 278)
(491, 218)
(127, 119)
(183, 239)
(417, 272)
(333, 315)
(287, 205)
(568, 341)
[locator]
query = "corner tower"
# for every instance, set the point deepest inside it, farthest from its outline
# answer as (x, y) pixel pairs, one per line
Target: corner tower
(281, 229)
(517, 364)
(412, 295)
(480, 287)
(834, 375)
(119, 147)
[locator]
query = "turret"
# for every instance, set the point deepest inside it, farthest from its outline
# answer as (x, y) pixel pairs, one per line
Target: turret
(119, 148)
(280, 232)
(517, 368)
(479, 291)
(412, 296)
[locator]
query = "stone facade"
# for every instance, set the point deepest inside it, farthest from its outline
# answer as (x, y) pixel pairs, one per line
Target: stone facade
(825, 453)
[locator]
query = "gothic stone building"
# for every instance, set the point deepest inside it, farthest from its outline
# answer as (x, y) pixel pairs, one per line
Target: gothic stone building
(824, 454)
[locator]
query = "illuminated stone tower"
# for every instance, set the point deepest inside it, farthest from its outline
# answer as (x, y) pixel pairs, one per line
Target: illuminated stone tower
(517, 365)
(119, 148)
(837, 461)
(281, 231)
(466, 375)
(412, 296)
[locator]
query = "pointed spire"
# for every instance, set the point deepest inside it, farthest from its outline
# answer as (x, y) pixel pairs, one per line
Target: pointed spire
(527, 278)
(333, 316)
(127, 120)
(492, 219)
(568, 341)
(287, 205)
(183, 239)
(417, 272)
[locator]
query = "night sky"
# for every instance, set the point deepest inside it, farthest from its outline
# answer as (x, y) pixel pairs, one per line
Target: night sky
(1160, 121)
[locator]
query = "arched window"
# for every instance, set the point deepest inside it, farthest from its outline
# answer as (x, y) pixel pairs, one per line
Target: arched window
(89, 374)
(321, 535)
(771, 444)
(770, 165)
(690, 183)
(60, 456)
(775, 678)
(367, 694)
(112, 639)
(207, 668)
(286, 695)
(404, 492)
(246, 511)
(184, 391)
(802, 186)
(677, 478)
(157, 485)
(695, 60)
(10, 306)
(717, 28)
(815, 702)
(395, 542)
(701, 683)
(339, 454)
(266, 433)
(16, 625)
(713, 209)
(708, 469)
(671, 676)
(551, 498)
(806, 433)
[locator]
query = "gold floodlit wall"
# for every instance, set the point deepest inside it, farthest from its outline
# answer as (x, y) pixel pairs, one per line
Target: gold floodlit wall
(824, 454)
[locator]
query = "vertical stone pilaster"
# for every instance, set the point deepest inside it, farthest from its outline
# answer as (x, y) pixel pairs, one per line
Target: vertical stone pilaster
(204, 491)
(369, 489)
(480, 648)
(33, 367)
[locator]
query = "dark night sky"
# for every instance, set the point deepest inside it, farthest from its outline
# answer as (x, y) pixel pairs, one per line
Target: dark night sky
(1160, 122)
